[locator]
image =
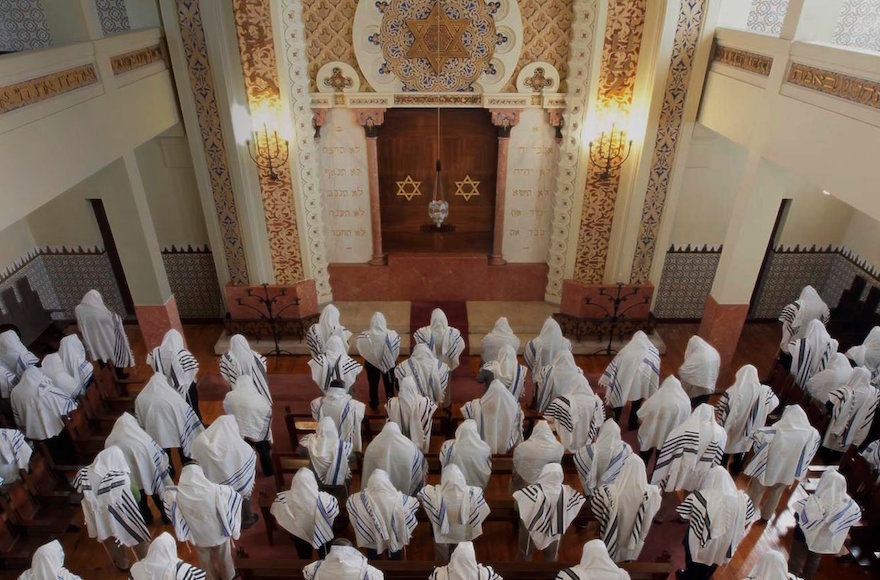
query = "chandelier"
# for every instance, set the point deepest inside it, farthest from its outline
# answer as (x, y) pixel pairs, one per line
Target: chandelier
(438, 207)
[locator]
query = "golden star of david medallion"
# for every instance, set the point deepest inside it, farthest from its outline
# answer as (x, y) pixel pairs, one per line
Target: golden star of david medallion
(437, 38)
(467, 188)
(409, 188)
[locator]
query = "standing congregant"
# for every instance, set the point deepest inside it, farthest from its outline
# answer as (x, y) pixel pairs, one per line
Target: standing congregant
(307, 514)
(742, 410)
(253, 413)
(633, 375)
(398, 457)
(103, 333)
(799, 314)
(430, 373)
(382, 516)
(500, 336)
(444, 341)
(498, 416)
(541, 350)
(328, 325)
(413, 412)
(699, 371)
(166, 417)
(469, 453)
(241, 360)
(455, 509)
(380, 347)
(334, 364)
(179, 366)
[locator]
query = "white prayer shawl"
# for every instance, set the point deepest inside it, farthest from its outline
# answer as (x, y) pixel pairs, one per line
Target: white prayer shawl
(53, 367)
(718, 516)
(500, 336)
(811, 354)
(306, 512)
(498, 416)
(506, 368)
(541, 350)
(108, 504)
(224, 456)
(204, 513)
(595, 564)
(383, 518)
(444, 341)
(328, 325)
(172, 359)
(14, 355)
(15, 454)
(826, 516)
(379, 345)
(699, 371)
(690, 451)
(797, 316)
(47, 563)
(625, 510)
(662, 412)
(771, 566)
(162, 563)
(334, 364)
(783, 451)
(855, 404)
(539, 450)
(252, 411)
(577, 416)
(342, 563)
(165, 416)
(38, 405)
(328, 453)
(431, 374)
(832, 377)
(867, 355)
(347, 414)
(872, 455)
(599, 463)
(413, 412)
(633, 374)
(469, 453)
(463, 566)
(455, 509)
(8, 380)
(394, 453)
(548, 506)
(744, 408)
(73, 353)
(241, 360)
(102, 332)
(557, 380)
(147, 462)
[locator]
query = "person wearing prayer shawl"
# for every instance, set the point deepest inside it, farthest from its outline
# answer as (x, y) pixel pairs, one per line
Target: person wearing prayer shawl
(162, 563)
(396, 455)
(532, 455)
(253, 413)
(699, 371)
(625, 510)
(103, 333)
(380, 348)
(505, 368)
(665, 410)
(53, 367)
(382, 516)
(430, 373)
(469, 453)
(771, 566)
(226, 459)
(111, 508)
(179, 366)
(595, 564)
(498, 416)
(823, 521)
(556, 379)
(718, 518)
(208, 515)
(633, 375)
(149, 469)
(73, 354)
(455, 509)
(546, 509)
(329, 455)
(14, 355)
(500, 336)
(343, 562)
(811, 354)
(307, 514)
(541, 350)
(599, 463)
(47, 563)
(872, 456)
(413, 412)
(463, 565)
(37, 406)
(166, 417)
(334, 364)
(15, 455)
(742, 410)
(241, 360)
(853, 408)
(868, 355)
(328, 325)
(576, 416)
(444, 341)
(782, 454)
(347, 413)
(797, 316)
(830, 378)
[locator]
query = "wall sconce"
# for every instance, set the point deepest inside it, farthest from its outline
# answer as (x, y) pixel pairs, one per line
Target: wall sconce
(610, 151)
(268, 150)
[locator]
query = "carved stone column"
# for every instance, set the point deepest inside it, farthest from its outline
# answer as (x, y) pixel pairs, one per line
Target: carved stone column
(371, 120)
(505, 120)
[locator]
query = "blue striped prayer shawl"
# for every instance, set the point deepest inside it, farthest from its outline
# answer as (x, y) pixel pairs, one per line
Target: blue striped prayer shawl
(761, 454)
(326, 510)
(122, 355)
(585, 462)
(372, 531)
(191, 429)
(390, 351)
(431, 388)
(603, 505)
(231, 370)
(129, 527)
(336, 369)
(242, 480)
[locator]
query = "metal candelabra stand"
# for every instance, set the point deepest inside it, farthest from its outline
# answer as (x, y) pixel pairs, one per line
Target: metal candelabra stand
(617, 314)
(267, 313)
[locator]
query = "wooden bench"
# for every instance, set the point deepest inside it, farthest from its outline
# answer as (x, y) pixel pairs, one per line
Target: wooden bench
(863, 486)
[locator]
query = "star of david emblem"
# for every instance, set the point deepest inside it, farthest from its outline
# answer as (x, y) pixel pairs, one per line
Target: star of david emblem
(409, 188)
(469, 184)
(437, 38)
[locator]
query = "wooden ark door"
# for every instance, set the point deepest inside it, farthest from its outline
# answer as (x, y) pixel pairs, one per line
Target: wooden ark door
(407, 147)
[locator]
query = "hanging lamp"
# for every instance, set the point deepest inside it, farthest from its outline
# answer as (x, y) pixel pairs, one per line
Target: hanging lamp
(438, 207)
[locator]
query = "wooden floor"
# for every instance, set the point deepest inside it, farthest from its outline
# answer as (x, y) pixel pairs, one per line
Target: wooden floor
(757, 346)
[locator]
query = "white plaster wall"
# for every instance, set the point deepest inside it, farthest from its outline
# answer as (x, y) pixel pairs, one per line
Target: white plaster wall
(814, 218)
(68, 220)
(15, 242)
(863, 237)
(143, 13)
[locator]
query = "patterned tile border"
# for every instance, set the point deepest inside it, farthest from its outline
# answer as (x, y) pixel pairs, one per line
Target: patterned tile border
(475, 100)
(136, 59)
(33, 91)
(860, 91)
(113, 15)
(688, 275)
(742, 59)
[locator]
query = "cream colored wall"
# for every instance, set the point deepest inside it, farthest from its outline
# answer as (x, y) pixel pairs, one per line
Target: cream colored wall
(15, 242)
(863, 237)
(68, 220)
(814, 218)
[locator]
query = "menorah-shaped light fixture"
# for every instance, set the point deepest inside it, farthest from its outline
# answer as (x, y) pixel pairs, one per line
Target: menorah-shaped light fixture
(610, 150)
(268, 150)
